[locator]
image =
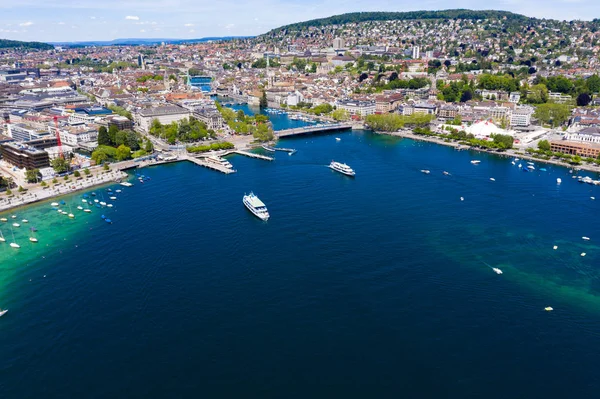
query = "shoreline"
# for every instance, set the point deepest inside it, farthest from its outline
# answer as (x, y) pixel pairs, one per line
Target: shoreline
(39, 194)
(506, 154)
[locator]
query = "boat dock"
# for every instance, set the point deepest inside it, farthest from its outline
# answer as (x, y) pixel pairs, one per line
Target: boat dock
(250, 154)
(209, 165)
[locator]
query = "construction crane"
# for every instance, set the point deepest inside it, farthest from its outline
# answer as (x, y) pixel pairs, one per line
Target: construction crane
(58, 142)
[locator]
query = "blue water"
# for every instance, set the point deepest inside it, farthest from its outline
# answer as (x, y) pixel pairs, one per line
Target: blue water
(377, 286)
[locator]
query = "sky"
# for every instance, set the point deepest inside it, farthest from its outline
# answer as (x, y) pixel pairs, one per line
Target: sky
(84, 20)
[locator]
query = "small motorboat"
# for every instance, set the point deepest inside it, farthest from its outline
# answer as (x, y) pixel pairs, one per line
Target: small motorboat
(425, 171)
(15, 245)
(555, 247)
(338, 139)
(25, 221)
(55, 204)
(84, 201)
(87, 210)
(80, 207)
(96, 201)
(109, 205)
(543, 169)
(446, 173)
(113, 198)
(33, 239)
(492, 179)
(102, 203)
(583, 254)
(531, 167)
(585, 238)
(475, 162)
(16, 225)
(13, 217)
(558, 180)
(3, 220)
(71, 216)
(108, 221)
(592, 198)
(3, 312)
(496, 270)
(118, 191)
(548, 309)
(462, 198)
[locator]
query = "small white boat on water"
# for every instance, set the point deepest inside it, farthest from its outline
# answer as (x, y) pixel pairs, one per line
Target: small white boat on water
(446, 173)
(15, 245)
(80, 207)
(548, 309)
(13, 217)
(102, 203)
(558, 180)
(25, 221)
(16, 225)
(338, 139)
(54, 204)
(462, 198)
(109, 205)
(513, 162)
(517, 159)
(71, 216)
(555, 247)
(585, 238)
(3, 220)
(113, 198)
(87, 210)
(492, 179)
(592, 198)
(3, 312)
(531, 167)
(84, 201)
(425, 171)
(126, 184)
(583, 254)
(530, 163)
(496, 270)
(96, 201)
(117, 191)
(520, 165)
(33, 239)
(475, 162)
(2, 239)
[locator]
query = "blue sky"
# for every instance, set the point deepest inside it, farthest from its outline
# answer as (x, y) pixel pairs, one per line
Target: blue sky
(81, 20)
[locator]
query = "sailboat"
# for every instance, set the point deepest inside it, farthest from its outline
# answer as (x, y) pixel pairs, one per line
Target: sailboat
(32, 238)
(14, 244)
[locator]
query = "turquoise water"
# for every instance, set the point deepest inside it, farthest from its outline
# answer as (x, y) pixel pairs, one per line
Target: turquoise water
(377, 286)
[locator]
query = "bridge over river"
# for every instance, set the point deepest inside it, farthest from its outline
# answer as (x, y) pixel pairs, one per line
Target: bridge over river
(313, 129)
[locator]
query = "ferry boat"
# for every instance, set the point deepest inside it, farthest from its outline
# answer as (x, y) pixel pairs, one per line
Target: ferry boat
(342, 168)
(219, 161)
(256, 206)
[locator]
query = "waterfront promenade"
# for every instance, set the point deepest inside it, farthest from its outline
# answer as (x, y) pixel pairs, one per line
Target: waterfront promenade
(38, 193)
(312, 129)
(512, 153)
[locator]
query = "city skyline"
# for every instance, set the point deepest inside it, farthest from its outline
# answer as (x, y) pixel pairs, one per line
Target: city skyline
(70, 20)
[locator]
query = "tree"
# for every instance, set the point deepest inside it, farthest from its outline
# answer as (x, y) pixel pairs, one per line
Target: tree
(103, 137)
(240, 115)
(593, 83)
(467, 95)
(106, 167)
(112, 134)
(149, 147)
(76, 173)
(538, 94)
(60, 165)
(263, 133)
(583, 99)
(123, 152)
(340, 115)
(86, 171)
(32, 175)
(263, 103)
(544, 145)
(556, 114)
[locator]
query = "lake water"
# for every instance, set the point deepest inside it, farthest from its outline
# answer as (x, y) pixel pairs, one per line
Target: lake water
(377, 286)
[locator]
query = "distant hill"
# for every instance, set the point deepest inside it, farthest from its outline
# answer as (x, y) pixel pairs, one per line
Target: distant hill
(140, 42)
(355, 17)
(5, 44)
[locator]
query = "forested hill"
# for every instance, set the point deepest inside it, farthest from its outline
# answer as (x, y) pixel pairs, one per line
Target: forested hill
(4, 44)
(356, 17)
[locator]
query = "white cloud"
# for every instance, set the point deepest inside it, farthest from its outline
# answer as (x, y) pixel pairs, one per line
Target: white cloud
(92, 17)
(188, 25)
(229, 26)
(28, 23)
(132, 17)
(142, 30)
(192, 31)
(60, 23)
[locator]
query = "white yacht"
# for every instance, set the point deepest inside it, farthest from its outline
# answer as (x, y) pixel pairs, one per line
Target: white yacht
(219, 161)
(496, 270)
(256, 206)
(342, 168)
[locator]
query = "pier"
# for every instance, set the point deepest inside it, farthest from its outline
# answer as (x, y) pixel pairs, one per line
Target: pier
(290, 151)
(313, 129)
(249, 154)
(209, 165)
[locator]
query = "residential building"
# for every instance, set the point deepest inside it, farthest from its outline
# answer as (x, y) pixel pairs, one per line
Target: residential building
(416, 53)
(521, 116)
(514, 97)
(387, 103)
(448, 111)
(338, 43)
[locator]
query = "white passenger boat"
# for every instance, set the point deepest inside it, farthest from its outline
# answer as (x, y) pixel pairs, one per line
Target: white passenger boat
(256, 206)
(342, 168)
(220, 161)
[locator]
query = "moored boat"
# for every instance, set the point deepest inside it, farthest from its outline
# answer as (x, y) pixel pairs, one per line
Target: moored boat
(256, 206)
